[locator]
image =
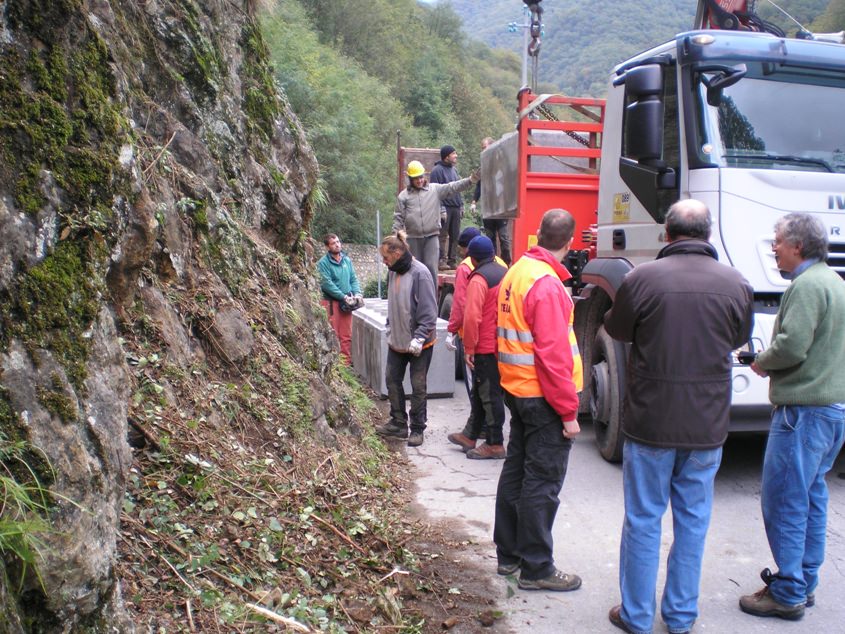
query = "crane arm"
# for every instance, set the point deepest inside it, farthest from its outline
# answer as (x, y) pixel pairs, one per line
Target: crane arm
(732, 15)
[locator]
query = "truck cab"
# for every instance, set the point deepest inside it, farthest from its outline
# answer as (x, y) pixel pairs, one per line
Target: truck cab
(748, 123)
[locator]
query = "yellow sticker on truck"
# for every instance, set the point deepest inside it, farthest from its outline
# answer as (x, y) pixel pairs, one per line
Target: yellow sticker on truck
(622, 207)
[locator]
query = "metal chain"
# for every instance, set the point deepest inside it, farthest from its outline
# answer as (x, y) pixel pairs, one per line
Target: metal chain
(542, 109)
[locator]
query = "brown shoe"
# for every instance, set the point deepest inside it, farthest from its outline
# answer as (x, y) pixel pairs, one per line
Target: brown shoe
(487, 452)
(557, 582)
(459, 439)
(615, 617)
(762, 603)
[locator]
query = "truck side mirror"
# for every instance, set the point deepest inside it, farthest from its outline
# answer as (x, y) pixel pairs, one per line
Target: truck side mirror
(644, 113)
(717, 78)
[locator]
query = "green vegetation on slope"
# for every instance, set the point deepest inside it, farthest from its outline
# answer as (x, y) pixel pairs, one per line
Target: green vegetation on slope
(357, 72)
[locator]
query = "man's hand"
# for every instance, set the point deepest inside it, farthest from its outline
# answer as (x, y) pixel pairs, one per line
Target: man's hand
(475, 176)
(758, 370)
(416, 346)
(470, 361)
(571, 428)
(472, 207)
(450, 342)
(443, 217)
(349, 300)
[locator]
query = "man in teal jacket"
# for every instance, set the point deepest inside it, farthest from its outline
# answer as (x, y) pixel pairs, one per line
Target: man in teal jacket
(341, 292)
(807, 388)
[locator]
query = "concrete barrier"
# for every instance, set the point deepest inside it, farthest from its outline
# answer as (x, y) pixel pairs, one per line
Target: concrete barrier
(369, 352)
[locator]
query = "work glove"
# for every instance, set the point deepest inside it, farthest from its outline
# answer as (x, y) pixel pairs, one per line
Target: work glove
(359, 301)
(416, 346)
(472, 207)
(450, 342)
(349, 300)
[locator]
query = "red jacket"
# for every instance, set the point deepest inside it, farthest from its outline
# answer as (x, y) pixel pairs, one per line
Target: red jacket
(456, 317)
(480, 312)
(545, 309)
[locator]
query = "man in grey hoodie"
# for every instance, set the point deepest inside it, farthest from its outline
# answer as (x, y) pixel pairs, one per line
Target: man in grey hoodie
(418, 212)
(411, 332)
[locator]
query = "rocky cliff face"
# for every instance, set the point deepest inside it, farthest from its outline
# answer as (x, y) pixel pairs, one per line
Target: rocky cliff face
(154, 188)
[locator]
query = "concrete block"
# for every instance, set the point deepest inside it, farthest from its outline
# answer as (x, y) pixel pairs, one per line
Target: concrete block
(369, 352)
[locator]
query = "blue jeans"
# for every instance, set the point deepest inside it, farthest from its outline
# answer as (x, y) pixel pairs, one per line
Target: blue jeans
(803, 443)
(651, 477)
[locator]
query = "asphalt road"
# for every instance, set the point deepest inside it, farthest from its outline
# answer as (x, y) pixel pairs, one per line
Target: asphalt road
(588, 526)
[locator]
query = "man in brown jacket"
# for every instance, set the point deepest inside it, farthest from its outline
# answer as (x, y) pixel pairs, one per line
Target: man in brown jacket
(683, 314)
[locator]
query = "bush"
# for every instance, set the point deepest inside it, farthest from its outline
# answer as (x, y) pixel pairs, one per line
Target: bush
(371, 288)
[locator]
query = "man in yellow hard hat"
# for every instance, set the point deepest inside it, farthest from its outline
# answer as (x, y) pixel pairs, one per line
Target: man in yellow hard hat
(418, 212)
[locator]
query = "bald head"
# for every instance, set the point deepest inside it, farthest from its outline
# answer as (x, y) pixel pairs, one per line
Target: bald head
(688, 218)
(556, 229)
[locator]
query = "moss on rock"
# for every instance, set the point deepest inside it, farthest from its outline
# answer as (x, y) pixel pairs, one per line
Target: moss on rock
(53, 306)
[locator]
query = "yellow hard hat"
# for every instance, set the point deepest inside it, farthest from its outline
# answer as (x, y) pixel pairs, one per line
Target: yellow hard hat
(415, 169)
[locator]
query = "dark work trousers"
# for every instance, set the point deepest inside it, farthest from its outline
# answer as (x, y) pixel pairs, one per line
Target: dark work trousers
(529, 485)
(395, 374)
(476, 425)
(487, 400)
(449, 233)
(500, 229)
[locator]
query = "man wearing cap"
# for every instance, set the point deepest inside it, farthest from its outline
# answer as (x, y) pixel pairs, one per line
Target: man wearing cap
(476, 423)
(456, 316)
(444, 171)
(418, 212)
(480, 316)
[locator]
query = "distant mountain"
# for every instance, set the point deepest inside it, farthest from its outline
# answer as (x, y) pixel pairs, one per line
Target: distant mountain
(584, 39)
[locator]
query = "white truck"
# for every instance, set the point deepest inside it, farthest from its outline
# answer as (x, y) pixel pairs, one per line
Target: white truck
(751, 124)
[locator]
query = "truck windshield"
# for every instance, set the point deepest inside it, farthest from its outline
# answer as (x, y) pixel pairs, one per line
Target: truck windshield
(780, 120)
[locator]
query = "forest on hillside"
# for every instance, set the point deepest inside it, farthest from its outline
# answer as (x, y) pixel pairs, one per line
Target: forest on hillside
(358, 71)
(584, 39)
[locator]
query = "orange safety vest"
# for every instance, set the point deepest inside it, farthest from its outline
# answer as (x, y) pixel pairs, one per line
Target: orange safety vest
(515, 341)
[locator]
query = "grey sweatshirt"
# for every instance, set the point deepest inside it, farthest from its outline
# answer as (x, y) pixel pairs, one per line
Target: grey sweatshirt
(411, 307)
(418, 210)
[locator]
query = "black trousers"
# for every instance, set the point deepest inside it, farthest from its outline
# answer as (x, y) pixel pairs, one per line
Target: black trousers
(397, 362)
(499, 228)
(449, 234)
(529, 486)
(487, 400)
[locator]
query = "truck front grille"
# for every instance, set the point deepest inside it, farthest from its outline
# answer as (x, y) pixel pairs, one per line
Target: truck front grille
(836, 258)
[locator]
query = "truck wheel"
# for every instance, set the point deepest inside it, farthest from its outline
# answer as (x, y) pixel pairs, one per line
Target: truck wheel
(607, 388)
(588, 319)
(462, 371)
(445, 307)
(445, 311)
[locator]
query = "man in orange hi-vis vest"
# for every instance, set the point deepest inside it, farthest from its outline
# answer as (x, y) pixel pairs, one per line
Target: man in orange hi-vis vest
(541, 374)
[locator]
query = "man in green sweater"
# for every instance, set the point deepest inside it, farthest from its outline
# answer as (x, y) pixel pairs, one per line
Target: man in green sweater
(341, 292)
(807, 389)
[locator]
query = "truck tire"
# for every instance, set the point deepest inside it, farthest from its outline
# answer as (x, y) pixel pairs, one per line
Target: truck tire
(462, 371)
(444, 312)
(588, 319)
(607, 390)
